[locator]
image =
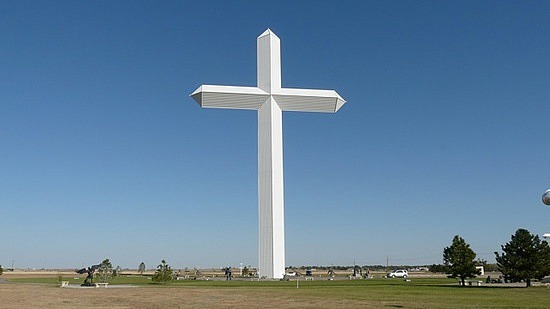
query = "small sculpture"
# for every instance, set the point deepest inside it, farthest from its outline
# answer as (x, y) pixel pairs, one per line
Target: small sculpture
(88, 281)
(228, 273)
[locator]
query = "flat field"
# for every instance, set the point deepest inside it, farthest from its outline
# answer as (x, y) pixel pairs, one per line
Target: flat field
(44, 292)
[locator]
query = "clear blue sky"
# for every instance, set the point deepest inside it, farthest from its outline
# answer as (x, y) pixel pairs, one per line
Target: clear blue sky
(103, 154)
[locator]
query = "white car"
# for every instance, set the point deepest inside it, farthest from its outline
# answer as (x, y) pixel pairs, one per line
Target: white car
(400, 273)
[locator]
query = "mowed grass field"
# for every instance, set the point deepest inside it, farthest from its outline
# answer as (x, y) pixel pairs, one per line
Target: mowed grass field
(320, 293)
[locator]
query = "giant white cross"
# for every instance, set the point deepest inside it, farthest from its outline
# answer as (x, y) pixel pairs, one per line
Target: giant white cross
(270, 100)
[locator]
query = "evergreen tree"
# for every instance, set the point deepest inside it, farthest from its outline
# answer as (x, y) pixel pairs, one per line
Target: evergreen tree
(460, 260)
(525, 257)
(105, 270)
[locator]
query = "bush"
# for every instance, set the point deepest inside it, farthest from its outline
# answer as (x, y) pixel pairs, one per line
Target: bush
(163, 273)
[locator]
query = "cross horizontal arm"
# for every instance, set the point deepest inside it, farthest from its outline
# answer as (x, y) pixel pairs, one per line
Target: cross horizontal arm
(308, 100)
(231, 97)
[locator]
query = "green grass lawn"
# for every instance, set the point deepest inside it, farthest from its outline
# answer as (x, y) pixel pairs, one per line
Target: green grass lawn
(427, 293)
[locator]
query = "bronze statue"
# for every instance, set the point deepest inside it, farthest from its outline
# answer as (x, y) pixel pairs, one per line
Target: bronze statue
(90, 277)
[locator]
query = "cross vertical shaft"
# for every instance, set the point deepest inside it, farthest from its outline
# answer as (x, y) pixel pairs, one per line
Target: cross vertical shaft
(270, 162)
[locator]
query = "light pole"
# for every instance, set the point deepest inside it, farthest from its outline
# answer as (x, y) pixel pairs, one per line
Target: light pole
(546, 201)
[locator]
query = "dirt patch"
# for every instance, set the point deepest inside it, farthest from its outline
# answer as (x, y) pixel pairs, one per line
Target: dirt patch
(18, 295)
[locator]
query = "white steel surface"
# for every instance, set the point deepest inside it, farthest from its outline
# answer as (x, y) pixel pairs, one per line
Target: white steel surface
(270, 100)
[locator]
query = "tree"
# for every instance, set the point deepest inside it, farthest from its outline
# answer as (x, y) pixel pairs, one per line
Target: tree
(105, 270)
(524, 257)
(1, 270)
(438, 268)
(163, 273)
(459, 259)
(141, 268)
